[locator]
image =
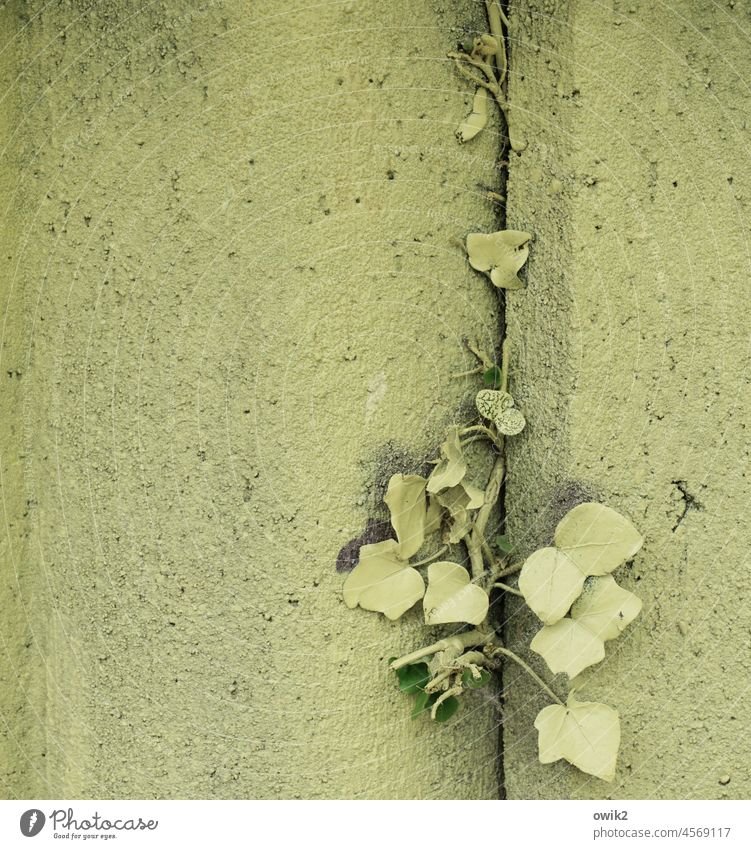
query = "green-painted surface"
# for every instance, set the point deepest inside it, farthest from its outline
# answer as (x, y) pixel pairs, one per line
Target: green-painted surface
(233, 307)
(632, 368)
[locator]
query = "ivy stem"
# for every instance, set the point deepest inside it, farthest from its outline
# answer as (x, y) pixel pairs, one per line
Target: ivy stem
(507, 588)
(528, 669)
(458, 642)
(510, 570)
(429, 557)
(495, 16)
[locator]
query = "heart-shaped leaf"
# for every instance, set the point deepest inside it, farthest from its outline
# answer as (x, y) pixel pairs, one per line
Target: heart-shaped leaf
(586, 734)
(498, 407)
(405, 499)
(491, 402)
(550, 583)
(474, 683)
(477, 119)
(568, 647)
(500, 255)
(604, 608)
(451, 597)
(452, 467)
(510, 422)
(383, 582)
(597, 538)
(413, 678)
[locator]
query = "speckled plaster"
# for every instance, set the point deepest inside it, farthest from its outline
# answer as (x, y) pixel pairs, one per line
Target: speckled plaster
(232, 302)
(633, 370)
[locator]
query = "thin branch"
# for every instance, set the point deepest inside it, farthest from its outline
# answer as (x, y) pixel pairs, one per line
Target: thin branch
(510, 570)
(459, 643)
(429, 557)
(528, 669)
(508, 589)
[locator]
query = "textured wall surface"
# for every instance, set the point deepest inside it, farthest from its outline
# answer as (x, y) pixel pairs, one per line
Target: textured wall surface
(231, 306)
(633, 369)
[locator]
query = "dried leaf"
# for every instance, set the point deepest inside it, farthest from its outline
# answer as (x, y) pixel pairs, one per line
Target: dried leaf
(500, 255)
(405, 499)
(586, 734)
(383, 582)
(452, 467)
(451, 597)
(550, 583)
(568, 647)
(597, 538)
(604, 608)
(477, 119)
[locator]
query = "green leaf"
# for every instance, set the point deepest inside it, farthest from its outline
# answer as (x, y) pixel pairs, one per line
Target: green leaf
(597, 538)
(423, 701)
(503, 545)
(492, 378)
(447, 709)
(452, 597)
(586, 734)
(550, 583)
(469, 680)
(413, 678)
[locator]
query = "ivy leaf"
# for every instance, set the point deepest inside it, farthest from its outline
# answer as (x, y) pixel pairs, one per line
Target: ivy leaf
(604, 608)
(491, 402)
(550, 582)
(499, 408)
(597, 538)
(413, 678)
(568, 647)
(405, 499)
(477, 119)
(492, 378)
(503, 545)
(451, 597)
(382, 582)
(459, 500)
(586, 734)
(423, 701)
(433, 516)
(446, 709)
(500, 255)
(452, 467)
(469, 680)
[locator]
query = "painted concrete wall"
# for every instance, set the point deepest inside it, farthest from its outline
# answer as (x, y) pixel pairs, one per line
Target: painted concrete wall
(231, 308)
(634, 360)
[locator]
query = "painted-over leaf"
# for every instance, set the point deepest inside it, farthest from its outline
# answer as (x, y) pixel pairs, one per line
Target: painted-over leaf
(405, 499)
(597, 538)
(568, 647)
(586, 734)
(550, 583)
(500, 255)
(604, 608)
(383, 582)
(451, 597)
(452, 466)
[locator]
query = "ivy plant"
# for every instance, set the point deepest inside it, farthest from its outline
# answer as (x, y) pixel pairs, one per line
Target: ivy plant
(568, 585)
